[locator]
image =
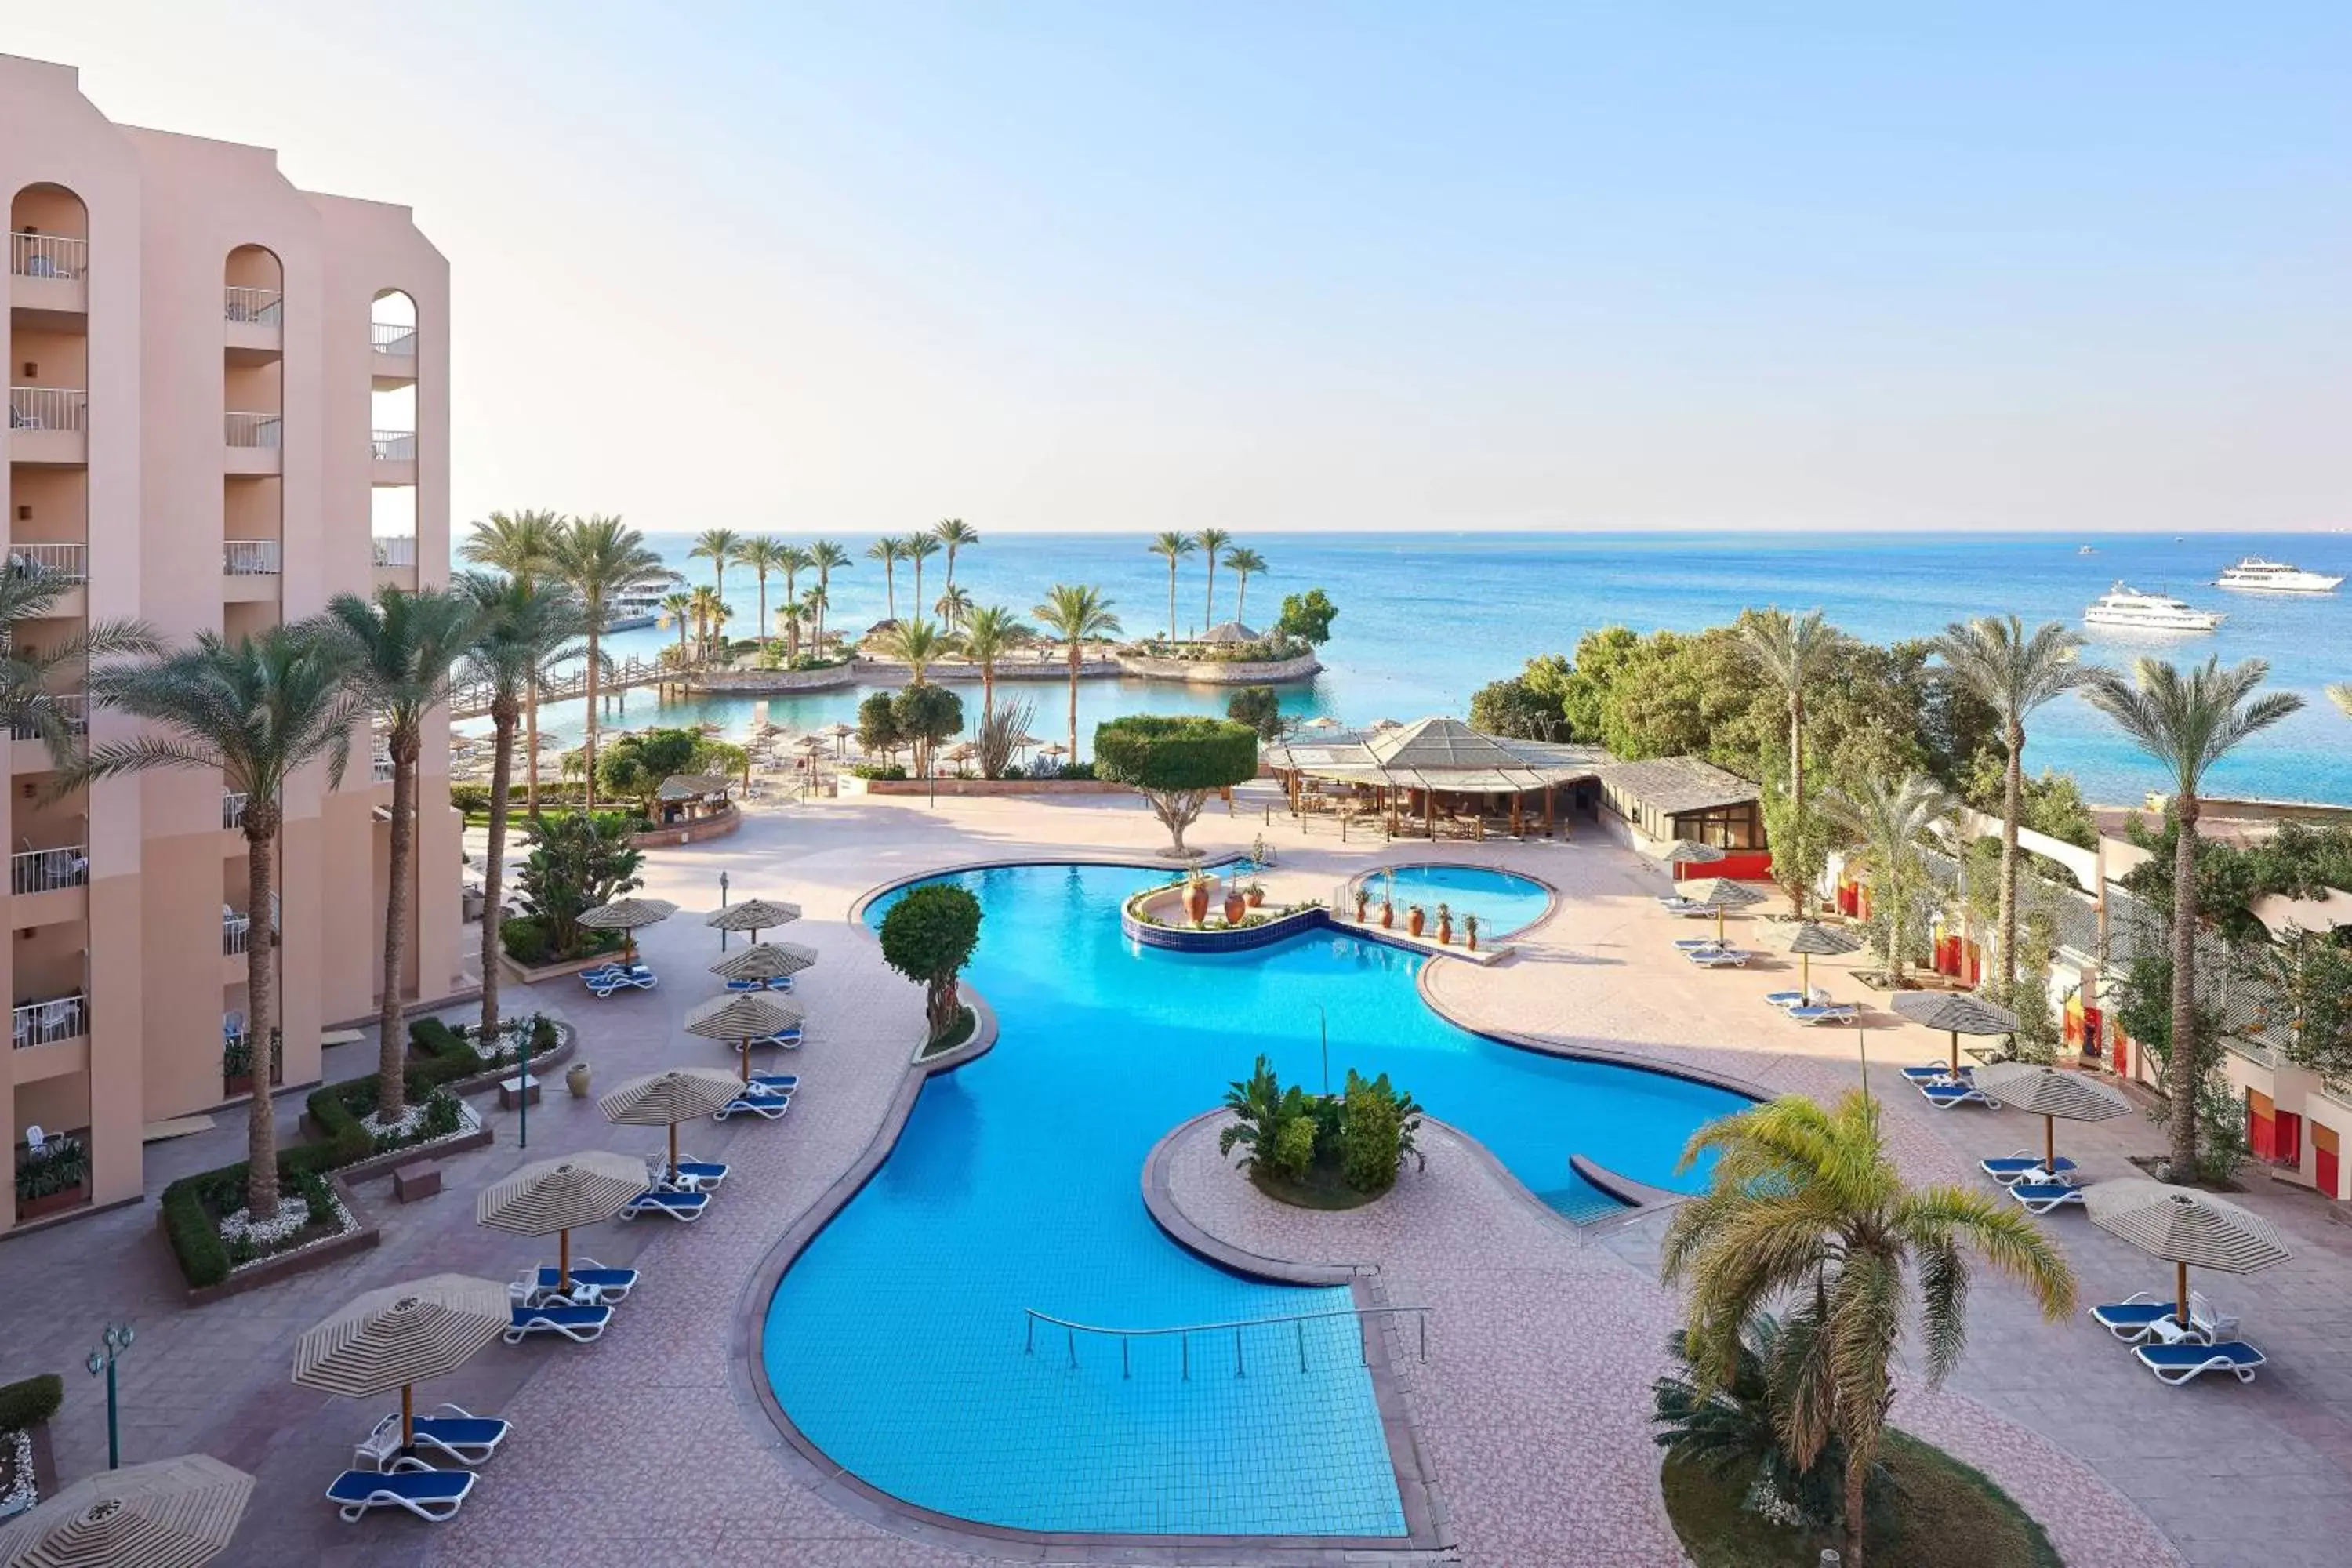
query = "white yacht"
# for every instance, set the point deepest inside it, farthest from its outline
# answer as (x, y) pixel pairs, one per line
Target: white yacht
(630, 612)
(2122, 606)
(2276, 577)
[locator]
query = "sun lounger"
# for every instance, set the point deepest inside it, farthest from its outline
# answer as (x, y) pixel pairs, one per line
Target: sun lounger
(1685, 909)
(634, 980)
(691, 1176)
(787, 1038)
(1718, 958)
(779, 983)
(686, 1207)
(773, 1083)
(766, 1107)
(2025, 1166)
(2176, 1364)
(1697, 944)
(2040, 1197)
(1945, 1095)
(1816, 997)
(2133, 1321)
(611, 971)
(609, 1284)
(434, 1496)
(452, 1431)
(1829, 1012)
(1938, 1072)
(2206, 1326)
(578, 1324)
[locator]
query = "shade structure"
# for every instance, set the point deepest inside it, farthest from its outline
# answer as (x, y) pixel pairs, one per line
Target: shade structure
(766, 961)
(1055, 749)
(1721, 893)
(691, 786)
(1322, 722)
(2049, 1094)
(666, 1098)
(754, 915)
(400, 1335)
(2186, 1228)
(1691, 852)
(1808, 939)
(1957, 1013)
(628, 916)
(172, 1513)
(549, 1196)
(743, 1017)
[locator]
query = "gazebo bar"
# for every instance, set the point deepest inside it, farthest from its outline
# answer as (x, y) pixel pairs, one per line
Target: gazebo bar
(1436, 778)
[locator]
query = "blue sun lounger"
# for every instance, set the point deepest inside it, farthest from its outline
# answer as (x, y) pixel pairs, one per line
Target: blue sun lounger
(610, 1284)
(2040, 1197)
(434, 1496)
(2133, 1321)
(778, 983)
(578, 1324)
(637, 979)
(1939, 1072)
(453, 1431)
(2176, 1364)
(686, 1207)
(2010, 1168)
(611, 971)
(1696, 943)
(774, 1082)
(1827, 1013)
(768, 1106)
(692, 1176)
(1816, 997)
(1945, 1095)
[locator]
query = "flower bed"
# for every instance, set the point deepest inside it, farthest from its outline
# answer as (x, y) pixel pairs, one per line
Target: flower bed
(18, 1488)
(24, 1406)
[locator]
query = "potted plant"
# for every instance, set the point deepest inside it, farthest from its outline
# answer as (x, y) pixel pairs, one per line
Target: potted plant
(1254, 892)
(56, 1178)
(1445, 926)
(1363, 897)
(1414, 920)
(1196, 898)
(1236, 904)
(1470, 929)
(1388, 914)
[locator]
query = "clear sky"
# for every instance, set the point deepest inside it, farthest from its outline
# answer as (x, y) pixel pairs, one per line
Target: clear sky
(1300, 265)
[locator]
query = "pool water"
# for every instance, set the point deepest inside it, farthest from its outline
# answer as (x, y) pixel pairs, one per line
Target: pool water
(1503, 901)
(897, 1343)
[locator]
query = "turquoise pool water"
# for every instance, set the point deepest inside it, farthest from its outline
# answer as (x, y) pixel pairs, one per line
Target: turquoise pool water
(1503, 901)
(896, 1342)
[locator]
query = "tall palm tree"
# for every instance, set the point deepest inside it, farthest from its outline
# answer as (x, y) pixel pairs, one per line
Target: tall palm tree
(1172, 547)
(1888, 824)
(988, 634)
(918, 643)
(763, 555)
(2187, 720)
(1074, 613)
(522, 545)
(1806, 1206)
(2013, 674)
(890, 552)
(791, 615)
(602, 558)
(2342, 697)
(257, 712)
(678, 609)
(828, 558)
(710, 615)
(521, 630)
(817, 600)
(29, 697)
(792, 561)
(1210, 541)
(919, 548)
(1790, 652)
(718, 546)
(953, 606)
(1243, 564)
(956, 534)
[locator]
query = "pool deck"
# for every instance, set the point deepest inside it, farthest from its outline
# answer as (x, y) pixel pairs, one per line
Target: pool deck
(647, 1447)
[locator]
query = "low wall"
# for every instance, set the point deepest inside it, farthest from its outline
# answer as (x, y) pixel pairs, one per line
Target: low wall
(774, 682)
(1210, 672)
(852, 785)
(693, 832)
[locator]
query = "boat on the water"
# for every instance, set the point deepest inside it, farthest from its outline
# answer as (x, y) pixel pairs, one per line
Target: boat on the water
(2123, 605)
(631, 611)
(2088, 549)
(2258, 575)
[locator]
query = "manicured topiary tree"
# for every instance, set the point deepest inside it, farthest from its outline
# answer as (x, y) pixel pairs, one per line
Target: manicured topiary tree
(1175, 762)
(928, 936)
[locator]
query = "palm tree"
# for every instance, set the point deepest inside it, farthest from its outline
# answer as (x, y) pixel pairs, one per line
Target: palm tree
(257, 712)
(678, 609)
(1790, 653)
(1076, 612)
(718, 546)
(792, 561)
(522, 630)
(828, 558)
(522, 545)
(988, 634)
(1173, 547)
(2342, 697)
(953, 606)
(816, 601)
(919, 548)
(890, 552)
(1243, 564)
(403, 649)
(791, 615)
(710, 615)
(918, 643)
(762, 556)
(2186, 721)
(602, 558)
(956, 534)
(29, 701)
(2013, 674)
(1887, 824)
(1210, 541)
(1805, 1205)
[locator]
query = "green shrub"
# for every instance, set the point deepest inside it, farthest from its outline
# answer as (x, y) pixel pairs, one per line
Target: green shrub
(317, 1197)
(1293, 1147)
(876, 770)
(543, 1035)
(30, 1402)
(928, 936)
(1371, 1135)
(63, 1165)
(470, 799)
(195, 1240)
(433, 1039)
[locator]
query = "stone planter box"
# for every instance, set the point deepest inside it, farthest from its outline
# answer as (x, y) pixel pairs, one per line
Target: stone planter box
(270, 1271)
(532, 977)
(56, 1203)
(556, 1054)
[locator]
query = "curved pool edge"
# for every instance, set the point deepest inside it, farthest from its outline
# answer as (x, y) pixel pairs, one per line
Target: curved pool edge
(1498, 939)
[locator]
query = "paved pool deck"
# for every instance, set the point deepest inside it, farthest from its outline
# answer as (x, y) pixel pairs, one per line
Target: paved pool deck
(644, 1448)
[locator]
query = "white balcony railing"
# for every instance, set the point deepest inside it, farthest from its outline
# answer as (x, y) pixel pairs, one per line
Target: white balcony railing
(396, 549)
(60, 563)
(47, 255)
(46, 1023)
(232, 808)
(71, 707)
(393, 339)
(380, 769)
(264, 430)
(47, 407)
(46, 871)
(258, 306)
(249, 558)
(395, 446)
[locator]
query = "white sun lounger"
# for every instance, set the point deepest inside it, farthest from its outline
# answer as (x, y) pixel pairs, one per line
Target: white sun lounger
(2176, 1364)
(434, 1496)
(2040, 1197)
(579, 1324)
(451, 1430)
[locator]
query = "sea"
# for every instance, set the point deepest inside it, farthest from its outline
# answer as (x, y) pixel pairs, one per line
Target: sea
(1427, 618)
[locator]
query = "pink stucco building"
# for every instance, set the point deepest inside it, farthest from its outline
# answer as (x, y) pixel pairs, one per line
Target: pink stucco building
(228, 401)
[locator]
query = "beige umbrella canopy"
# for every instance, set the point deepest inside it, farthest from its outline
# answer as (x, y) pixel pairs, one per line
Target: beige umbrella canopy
(172, 1513)
(1721, 893)
(668, 1098)
(754, 915)
(1691, 852)
(551, 1196)
(2185, 1226)
(766, 961)
(2048, 1093)
(741, 1016)
(1957, 1013)
(399, 1336)
(628, 916)
(1809, 938)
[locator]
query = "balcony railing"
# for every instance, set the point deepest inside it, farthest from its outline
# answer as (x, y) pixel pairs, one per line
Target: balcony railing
(236, 930)
(395, 446)
(47, 255)
(396, 549)
(46, 871)
(46, 1023)
(70, 708)
(261, 307)
(232, 808)
(380, 769)
(249, 558)
(237, 1056)
(263, 430)
(59, 562)
(47, 407)
(393, 339)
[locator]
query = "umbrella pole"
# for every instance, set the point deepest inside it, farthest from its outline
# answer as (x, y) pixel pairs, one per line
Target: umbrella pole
(2049, 1145)
(744, 1055)
(563, 1260)
(1956, 1053)
(408, 1411)
(1718, 926)
(1805, 973)
(2180, 1287)
(673, 1149)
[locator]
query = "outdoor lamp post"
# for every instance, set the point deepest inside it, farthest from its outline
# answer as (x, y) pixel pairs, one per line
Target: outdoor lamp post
(116, 1339)
(722, 904)
(523, 1099)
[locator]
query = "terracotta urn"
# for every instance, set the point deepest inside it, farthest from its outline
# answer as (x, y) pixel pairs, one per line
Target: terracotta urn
(575, 1078)
(1256, 895)
(1414, 920)
(1446, 930)
(1236, 907)
(1388, 915)
(1362, 899)
(1196, 902)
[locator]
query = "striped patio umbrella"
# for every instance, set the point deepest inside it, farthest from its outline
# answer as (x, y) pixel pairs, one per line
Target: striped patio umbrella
(1957, 1013)
(754, 915)
(399, 1336)
(668, 1098)
(1808, 938)
(1722, 893)
(1691, 852)
(766, 961)
(172, 1513)
(2185, 1226)
(628, 916)
(2046, 1092)
(551, 1196)
(742, 1016)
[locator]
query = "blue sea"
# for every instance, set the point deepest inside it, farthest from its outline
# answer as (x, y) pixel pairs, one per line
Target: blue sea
(1427, 618)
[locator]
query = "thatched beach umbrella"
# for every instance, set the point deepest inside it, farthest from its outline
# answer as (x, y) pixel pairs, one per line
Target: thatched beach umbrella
(551, 1196)
(1808, 938)
(666, 1098)
(2185, 1226)
(754, 915)
(399, 1336)
(2048, 1093)
(628, 916)
(743, 1017)
(1691, 852)
(766, 961)
(171, 1514)
(1721, 893)
(1957, 1013)
(840, 734)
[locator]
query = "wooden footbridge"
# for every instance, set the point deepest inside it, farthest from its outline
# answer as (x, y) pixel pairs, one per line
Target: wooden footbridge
(612, 687)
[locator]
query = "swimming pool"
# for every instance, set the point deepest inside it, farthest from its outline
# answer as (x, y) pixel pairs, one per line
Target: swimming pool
(1504, 901)
(896, 1342)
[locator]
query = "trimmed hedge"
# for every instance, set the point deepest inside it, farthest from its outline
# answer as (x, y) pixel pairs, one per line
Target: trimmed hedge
(1187, 752)
(28, 1404)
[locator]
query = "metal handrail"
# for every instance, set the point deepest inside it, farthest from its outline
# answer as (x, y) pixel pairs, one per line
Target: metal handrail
(396, 549)
(392, 337)
(1184, 1331)
(46, 1023)
(243, 303)
(47, 255)
(232, 808)
(63, 563)
(249, 558)
(392, 445)
(71, 708)
(261, 429)
(47, 407)
(48, 871)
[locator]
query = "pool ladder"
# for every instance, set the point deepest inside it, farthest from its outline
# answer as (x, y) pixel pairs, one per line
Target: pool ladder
(1184, 1332)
